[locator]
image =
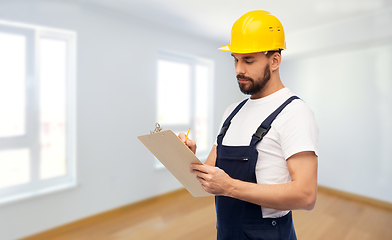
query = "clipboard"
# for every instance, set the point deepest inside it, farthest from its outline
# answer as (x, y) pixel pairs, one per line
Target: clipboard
(176, 157)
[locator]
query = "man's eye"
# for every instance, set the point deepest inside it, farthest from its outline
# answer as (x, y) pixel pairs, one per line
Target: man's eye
(249, 62)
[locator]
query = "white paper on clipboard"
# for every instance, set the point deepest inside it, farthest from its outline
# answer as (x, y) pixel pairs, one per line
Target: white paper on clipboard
(176, 157)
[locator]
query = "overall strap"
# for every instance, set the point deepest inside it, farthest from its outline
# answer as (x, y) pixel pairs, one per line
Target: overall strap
(265, 126)
(227, 122)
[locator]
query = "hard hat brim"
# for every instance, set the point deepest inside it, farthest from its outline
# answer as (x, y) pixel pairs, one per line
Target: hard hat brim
(225, 48)
(228, 48)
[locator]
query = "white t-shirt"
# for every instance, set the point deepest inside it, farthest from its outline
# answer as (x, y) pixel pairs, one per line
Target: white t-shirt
(294, 130)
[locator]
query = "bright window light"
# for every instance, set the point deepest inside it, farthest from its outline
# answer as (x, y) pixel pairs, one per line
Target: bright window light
(12, 84)
(14, 167)
(173, 92)
(53, 70)
(202, 98)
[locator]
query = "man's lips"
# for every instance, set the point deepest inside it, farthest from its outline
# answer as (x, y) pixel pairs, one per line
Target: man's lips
(242, 80)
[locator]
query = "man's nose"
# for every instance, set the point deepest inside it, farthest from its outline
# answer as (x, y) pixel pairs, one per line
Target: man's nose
(240, 68)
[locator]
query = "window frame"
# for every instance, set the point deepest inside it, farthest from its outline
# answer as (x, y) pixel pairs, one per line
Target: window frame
(31, 138)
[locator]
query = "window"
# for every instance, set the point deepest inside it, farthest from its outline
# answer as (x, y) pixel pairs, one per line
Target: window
(37, 127)
(184, 98)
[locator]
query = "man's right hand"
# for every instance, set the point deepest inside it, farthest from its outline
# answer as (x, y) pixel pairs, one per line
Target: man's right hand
(190, 143)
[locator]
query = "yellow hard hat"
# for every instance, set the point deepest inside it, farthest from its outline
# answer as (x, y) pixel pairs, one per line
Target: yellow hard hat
(256, 31)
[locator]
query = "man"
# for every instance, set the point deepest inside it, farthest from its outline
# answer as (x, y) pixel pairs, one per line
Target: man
(264, 162)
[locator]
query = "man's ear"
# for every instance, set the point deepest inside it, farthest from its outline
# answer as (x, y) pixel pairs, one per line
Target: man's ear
(275, 61)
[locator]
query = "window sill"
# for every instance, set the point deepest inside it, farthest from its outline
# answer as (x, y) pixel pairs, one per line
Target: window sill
(37, 193)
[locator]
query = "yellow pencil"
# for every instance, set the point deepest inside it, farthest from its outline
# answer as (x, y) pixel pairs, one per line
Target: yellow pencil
(186, 138)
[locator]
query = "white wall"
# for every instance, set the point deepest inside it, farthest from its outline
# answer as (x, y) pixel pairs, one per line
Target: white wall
(343, 71)
(115, 103)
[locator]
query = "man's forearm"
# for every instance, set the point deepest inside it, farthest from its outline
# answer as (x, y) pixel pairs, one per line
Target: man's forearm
(287, 196)
(300, 193)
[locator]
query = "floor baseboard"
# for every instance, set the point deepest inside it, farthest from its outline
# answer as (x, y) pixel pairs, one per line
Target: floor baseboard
(356, 197)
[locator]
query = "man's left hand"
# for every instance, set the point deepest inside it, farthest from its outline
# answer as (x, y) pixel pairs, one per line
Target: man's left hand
(213, 179)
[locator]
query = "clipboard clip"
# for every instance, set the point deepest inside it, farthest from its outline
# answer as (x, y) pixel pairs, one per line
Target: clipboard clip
(157, 128)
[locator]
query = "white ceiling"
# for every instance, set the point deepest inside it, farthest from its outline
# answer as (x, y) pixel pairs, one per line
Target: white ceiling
(213, 19)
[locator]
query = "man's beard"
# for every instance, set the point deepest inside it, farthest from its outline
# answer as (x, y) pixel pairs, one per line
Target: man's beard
(255, 87)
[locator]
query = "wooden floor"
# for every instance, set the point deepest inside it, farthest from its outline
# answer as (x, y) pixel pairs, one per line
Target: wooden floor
(179, 216)
(343, 219)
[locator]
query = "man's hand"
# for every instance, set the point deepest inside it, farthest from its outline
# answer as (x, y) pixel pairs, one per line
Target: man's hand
(190, 143)
(213, 179)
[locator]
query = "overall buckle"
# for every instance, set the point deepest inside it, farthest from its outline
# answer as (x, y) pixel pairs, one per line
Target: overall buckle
(261, 132)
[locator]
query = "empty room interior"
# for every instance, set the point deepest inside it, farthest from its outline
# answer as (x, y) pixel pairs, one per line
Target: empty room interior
(81, 80)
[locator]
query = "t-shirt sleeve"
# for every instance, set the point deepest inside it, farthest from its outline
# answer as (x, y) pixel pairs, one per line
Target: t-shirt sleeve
(299, 131)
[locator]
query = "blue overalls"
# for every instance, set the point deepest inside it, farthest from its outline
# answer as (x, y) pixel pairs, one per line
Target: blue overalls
(237, 219)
